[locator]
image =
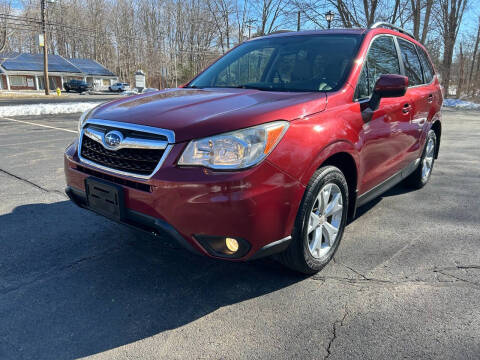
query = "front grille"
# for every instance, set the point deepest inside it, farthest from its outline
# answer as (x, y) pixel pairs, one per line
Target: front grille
(137, 161)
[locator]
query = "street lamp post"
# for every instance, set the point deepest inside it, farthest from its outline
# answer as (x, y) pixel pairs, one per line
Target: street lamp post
(329, 17)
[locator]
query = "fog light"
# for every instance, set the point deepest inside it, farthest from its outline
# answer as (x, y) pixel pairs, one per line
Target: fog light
(232, 244)
(224, 246)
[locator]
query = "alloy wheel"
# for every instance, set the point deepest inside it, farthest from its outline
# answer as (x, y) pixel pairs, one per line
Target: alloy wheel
(428, 159)
(325, 220)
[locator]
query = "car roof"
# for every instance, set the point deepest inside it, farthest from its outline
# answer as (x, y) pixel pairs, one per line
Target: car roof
(285, 33)
(359, 31)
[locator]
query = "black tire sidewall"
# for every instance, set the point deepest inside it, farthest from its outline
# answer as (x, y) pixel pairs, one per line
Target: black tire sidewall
(322, 177)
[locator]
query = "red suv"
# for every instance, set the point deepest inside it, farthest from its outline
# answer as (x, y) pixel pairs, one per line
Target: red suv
(270, 149)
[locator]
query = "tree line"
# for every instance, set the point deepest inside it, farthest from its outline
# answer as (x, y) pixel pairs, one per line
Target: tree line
(172, 40)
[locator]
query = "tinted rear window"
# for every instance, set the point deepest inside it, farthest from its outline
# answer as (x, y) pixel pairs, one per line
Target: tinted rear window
(427, 67)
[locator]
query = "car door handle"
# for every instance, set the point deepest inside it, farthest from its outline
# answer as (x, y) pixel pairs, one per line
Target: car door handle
(430, 98)
(406, 108)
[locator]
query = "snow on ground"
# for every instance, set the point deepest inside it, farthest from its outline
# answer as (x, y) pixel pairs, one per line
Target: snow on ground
(460, 104)
(46, 109)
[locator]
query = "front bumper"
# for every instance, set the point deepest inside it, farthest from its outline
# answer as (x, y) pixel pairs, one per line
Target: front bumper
(258, 205)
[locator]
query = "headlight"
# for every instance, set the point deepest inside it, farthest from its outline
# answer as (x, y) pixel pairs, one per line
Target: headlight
(84, 117)
(234, 150)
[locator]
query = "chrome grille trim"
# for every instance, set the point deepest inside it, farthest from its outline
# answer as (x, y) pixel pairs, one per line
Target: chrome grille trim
(129, 142)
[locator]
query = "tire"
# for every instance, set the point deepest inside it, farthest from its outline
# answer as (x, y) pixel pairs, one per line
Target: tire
(420, 177)
(67, 89)
(299, 256)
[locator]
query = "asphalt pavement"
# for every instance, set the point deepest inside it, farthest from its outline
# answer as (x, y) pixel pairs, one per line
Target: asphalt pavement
(404, 284)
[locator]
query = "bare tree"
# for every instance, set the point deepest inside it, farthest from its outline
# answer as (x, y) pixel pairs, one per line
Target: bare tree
(474, 57)
(451, 14)
(221, 12)
(5, 9)
(417, 8)
(461, 71)
(242, 13)
(269, 12)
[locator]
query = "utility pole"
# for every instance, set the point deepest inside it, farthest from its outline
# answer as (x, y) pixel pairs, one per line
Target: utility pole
(298, 21)
(45, 49)
(249, 23)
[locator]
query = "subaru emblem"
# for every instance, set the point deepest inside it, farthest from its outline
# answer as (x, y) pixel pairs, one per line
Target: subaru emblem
(113, 139)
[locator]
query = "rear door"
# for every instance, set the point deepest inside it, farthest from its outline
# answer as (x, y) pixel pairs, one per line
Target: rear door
(383, 135)
(420, 95)
(432, 94)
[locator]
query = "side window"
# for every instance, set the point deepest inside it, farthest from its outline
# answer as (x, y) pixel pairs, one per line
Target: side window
(411, 62)
(381, 59)
(426, 65)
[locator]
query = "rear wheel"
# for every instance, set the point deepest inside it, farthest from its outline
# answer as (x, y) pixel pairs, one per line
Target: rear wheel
(420, 177)
(320, 222)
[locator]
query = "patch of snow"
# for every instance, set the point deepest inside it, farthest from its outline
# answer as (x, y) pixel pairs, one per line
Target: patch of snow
(46, 109)
(147, 90)
(130, 92)
(460, 104)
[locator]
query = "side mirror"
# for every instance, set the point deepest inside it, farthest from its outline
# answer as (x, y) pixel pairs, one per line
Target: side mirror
(388, 86)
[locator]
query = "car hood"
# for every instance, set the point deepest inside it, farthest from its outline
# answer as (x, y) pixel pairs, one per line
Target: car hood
(196, 113)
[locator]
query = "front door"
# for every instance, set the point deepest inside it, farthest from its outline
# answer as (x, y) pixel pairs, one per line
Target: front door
(385, 135)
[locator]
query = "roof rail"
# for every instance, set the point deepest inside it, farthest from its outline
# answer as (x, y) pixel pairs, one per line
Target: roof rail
(391, 26)
(280, 31)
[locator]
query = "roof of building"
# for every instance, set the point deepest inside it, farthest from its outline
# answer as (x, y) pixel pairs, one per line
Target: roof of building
(91, 67)
(56, 63)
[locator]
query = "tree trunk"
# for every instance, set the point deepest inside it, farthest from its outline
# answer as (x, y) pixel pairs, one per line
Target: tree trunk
(426, 20)
(475, 50)
(461, 72)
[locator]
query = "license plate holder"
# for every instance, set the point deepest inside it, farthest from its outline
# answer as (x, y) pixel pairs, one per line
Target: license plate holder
(105, 198)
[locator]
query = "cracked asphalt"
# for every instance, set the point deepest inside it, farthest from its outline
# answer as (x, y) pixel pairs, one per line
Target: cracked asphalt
(404, 284)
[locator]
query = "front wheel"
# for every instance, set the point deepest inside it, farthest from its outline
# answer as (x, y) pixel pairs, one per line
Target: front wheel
(419, 178)
(320, 222)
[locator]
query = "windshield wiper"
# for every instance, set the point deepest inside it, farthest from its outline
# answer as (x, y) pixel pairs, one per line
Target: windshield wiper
(246, 86)
(264, 88)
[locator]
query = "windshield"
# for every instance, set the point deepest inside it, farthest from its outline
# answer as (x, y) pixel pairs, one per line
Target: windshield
(291, 63)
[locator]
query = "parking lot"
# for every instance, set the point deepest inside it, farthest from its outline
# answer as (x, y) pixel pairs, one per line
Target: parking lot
(404, 284)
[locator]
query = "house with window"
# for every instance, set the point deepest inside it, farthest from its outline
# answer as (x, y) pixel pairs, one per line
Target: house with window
(21, 71)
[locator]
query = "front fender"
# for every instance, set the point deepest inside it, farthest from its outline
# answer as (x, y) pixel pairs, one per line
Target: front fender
(341, 146)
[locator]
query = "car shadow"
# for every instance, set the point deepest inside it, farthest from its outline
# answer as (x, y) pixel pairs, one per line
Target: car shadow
(73, 284)
(398, 189)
